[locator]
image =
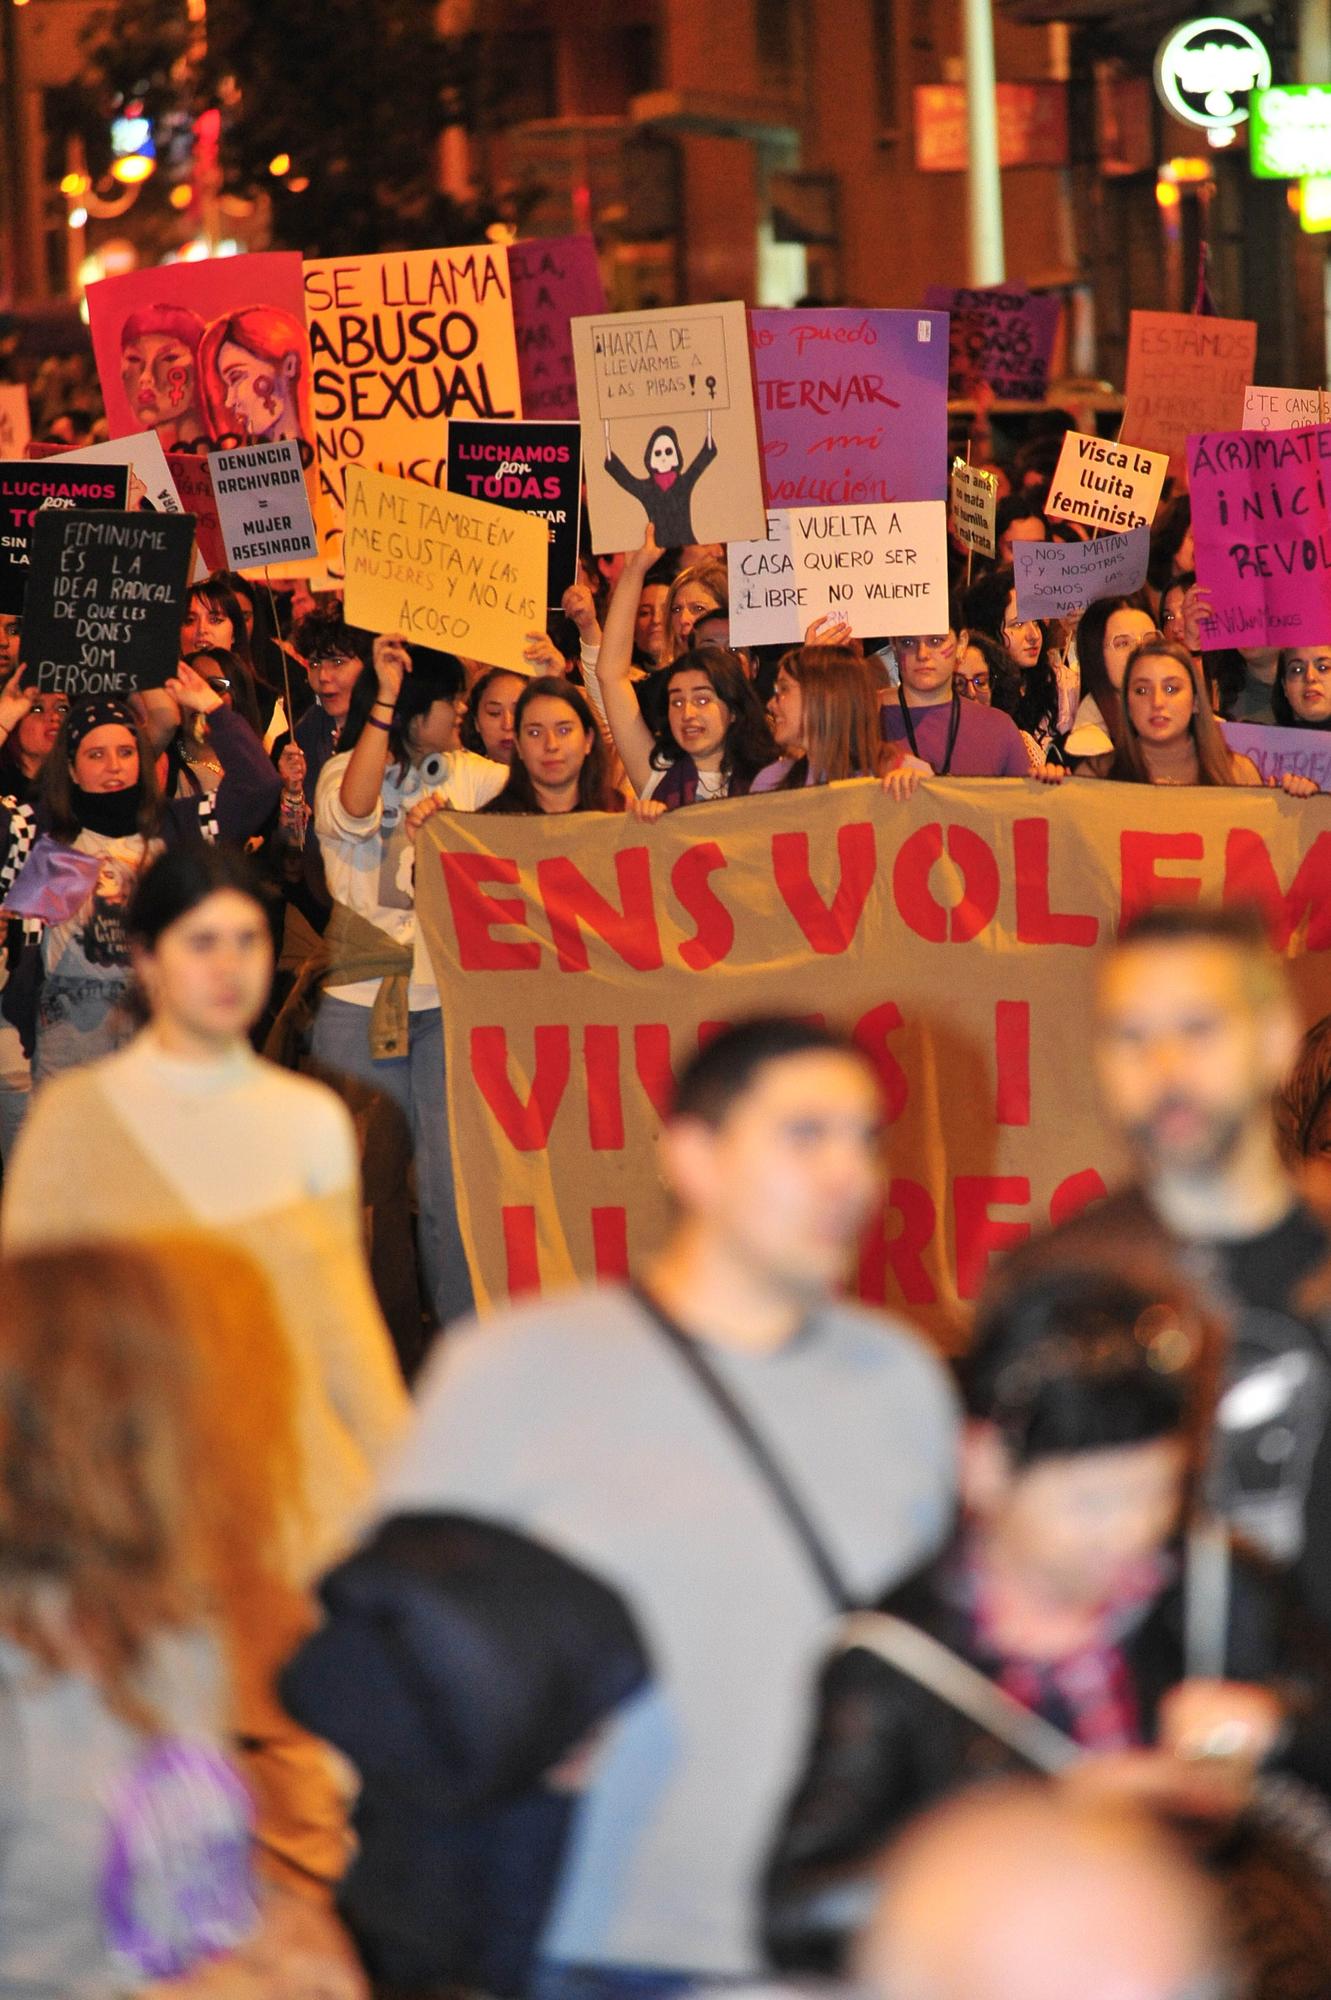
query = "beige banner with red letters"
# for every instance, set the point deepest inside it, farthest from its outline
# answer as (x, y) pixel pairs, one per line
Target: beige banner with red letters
(581, 958)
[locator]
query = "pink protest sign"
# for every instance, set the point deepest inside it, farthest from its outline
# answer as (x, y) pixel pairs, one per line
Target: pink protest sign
(553, 278)
(852, 405)
(208, 356)
(1262, 533)
(197, 498)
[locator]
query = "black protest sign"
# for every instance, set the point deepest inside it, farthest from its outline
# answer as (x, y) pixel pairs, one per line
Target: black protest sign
(105, 600)
(1000, 334)
(533, 468)
(24, 490)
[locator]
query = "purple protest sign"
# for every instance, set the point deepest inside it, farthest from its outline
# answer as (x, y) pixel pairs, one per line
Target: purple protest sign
(852, 406)
(1262, 534)
(1002, 335)
(554, 279)
(1304, 752)
(1059, 579)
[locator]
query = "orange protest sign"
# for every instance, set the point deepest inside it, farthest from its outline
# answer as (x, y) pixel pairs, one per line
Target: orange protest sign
(1187, 372)
(580, 959)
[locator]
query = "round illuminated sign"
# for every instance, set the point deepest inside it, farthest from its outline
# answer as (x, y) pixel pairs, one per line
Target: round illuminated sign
(1206, 71)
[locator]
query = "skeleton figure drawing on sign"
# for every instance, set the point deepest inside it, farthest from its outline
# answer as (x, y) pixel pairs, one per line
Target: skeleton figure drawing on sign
(666, 491)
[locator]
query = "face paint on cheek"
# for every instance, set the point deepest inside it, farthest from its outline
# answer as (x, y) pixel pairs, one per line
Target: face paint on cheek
(177, 381)
(265, 388)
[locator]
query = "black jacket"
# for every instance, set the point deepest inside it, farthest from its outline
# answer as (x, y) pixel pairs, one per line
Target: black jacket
(884, 1747)
(458, 1662)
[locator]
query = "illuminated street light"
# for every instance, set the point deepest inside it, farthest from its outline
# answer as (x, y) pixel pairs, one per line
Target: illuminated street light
(132, 143)
(135, 167)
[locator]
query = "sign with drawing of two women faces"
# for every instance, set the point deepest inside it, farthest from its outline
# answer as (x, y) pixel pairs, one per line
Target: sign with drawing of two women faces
(670, 430)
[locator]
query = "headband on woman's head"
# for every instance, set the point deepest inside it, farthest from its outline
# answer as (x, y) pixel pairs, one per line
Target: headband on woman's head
(96, 712)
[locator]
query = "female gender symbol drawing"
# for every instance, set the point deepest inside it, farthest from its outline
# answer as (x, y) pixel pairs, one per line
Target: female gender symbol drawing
(666, 493)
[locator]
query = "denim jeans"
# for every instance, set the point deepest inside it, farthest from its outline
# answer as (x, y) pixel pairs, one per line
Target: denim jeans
(415, 1083)
(15, 1087)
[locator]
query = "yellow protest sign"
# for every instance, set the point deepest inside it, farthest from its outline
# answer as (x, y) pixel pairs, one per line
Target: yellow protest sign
(401, 342)
(447, 571)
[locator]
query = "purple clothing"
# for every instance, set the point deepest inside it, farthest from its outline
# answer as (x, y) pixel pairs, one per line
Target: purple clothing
(988, 742)
(772, 776)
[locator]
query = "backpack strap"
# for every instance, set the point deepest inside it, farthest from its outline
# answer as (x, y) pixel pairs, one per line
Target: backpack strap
(934, 1666)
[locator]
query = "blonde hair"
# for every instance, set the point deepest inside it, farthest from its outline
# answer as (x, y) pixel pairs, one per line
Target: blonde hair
(148, 1463)
(709, 576)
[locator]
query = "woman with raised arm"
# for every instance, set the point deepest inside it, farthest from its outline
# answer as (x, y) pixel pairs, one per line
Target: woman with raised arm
(713, 739)
(378, 1023)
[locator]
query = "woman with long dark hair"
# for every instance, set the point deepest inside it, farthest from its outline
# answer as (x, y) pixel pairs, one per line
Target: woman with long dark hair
(991, 607)
(988, 674)
(711, 739)
(559, 763)
(487, 726)
(1108, 633)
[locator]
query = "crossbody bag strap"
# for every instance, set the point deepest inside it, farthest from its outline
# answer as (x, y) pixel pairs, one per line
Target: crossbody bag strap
(955, 1681)
(756, 1450)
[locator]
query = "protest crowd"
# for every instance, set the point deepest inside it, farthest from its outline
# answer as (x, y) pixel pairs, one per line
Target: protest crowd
(714, 1552)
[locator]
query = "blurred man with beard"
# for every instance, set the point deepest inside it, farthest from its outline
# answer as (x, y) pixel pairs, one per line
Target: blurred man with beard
(1195, 1032)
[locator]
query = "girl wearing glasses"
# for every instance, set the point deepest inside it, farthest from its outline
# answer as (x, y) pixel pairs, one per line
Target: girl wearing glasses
(987, 674)
(1301, 696)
